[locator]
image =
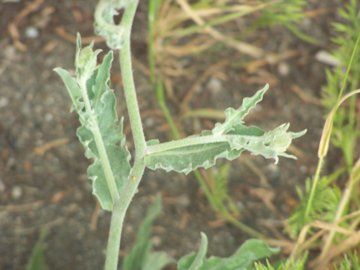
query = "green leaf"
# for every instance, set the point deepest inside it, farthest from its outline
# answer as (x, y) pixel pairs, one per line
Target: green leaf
(195, 261)
(324, 206)
(242, 259)
(234, 117)
(141, 257)
(227, 140)
(350, 261)
(72, 88)
(101, 132)
(37, 260)
(156, 261)
(288, 264)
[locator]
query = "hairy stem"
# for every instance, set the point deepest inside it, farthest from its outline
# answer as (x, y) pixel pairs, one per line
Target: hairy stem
(118, 215)
(113, 245)
(128, 81)
(130, 189)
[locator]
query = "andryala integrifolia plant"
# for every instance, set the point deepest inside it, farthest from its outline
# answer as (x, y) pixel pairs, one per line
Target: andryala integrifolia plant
(114, 179)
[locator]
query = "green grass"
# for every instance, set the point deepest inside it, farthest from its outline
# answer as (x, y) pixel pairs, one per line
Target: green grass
(324, 196)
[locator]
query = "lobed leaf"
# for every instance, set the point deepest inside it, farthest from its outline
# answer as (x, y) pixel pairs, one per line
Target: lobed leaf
(243, 259)
(101, 132)
(227, 140)
(235, 117)
(188, 158)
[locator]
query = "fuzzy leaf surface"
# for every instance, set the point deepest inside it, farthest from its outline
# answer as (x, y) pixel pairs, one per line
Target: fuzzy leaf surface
(104, 23)
(101, 132)
(226, 140)
(235, 117)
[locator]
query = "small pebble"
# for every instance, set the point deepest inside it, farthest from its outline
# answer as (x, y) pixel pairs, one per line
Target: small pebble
(149, 122)
(156, 241)
(283, 69)
(31, 32)
(214, 85)
(4, 102)
(16, 192)
(327, 58)
(183, 201)
(49, 117)
(304, 169)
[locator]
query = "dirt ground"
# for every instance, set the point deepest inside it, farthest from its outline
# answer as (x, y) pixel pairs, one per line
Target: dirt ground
(43, 180)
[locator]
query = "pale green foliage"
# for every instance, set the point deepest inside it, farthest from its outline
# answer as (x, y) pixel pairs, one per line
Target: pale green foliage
(285, 265)
(104, 22)
(234, 117)
(287, 14)
(101, 133)
(346, 132)
(141, 257)
(242, 259)
(218, 178)
(283, 12)
(348, 31)
(323, 208)
(226, 140)
(349, 262)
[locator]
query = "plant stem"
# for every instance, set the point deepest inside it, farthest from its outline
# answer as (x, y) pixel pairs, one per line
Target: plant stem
(118, 215)
(113, 244)
(130, 189)
(244, 228)
(313, 187)
(128, 80)
(191, 141)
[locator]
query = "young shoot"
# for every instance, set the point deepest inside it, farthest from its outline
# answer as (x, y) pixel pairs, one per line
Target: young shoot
(114, 179)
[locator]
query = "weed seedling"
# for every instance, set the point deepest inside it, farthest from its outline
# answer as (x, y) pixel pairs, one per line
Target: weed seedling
(115, 181)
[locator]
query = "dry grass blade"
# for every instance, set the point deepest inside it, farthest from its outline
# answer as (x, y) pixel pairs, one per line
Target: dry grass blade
(238, 45)
(354, 177)
(196, 45)
(349, 243)
(332, 227)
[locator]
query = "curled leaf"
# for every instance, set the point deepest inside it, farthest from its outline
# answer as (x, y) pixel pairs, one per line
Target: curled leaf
(104, 22)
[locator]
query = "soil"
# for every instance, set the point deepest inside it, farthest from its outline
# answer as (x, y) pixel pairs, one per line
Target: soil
(43, 182)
